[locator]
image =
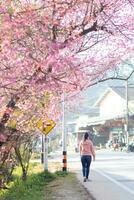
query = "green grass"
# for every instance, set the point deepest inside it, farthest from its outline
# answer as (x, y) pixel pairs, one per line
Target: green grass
(35, 188)
(61, 173)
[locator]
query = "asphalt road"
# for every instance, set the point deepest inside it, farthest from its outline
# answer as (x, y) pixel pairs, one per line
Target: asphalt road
(112, 174)
(118, 166)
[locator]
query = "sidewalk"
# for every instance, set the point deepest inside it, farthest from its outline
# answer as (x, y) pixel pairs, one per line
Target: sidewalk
(102, 188)
(66, 187)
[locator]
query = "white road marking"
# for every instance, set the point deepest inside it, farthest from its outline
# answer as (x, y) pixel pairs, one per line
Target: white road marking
(114, 181)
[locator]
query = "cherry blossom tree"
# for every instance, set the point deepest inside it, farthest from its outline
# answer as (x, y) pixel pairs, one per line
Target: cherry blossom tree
(56, 46)
(61, 45)
(53, 44)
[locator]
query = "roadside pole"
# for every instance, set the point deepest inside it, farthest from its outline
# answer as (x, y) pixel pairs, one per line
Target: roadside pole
(46, 154)
(64, 145)
(127, 117)
(42, 149)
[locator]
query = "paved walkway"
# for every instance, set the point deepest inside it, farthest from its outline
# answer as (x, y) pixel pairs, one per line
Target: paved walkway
(102, 188)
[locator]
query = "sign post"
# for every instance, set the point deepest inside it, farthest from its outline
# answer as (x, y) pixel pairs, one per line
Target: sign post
(45, 129)
(42, 149)
(46, 154)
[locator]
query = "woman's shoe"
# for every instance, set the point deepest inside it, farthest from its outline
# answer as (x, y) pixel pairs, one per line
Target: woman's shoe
(84, 180)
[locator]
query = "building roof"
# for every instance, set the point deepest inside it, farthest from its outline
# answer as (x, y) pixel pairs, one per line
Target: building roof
(101, 120)
(95, 119)
(120, 90)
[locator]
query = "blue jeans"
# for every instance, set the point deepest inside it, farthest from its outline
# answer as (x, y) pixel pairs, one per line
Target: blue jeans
(86, 161)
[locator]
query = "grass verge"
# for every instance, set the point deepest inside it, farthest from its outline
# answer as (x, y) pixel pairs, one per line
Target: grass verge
(34, 188)
(42, 185)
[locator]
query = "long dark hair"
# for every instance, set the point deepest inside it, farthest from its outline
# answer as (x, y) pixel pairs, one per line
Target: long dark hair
(86, 136)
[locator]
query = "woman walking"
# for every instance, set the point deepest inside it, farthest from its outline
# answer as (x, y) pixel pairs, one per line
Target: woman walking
(87, 152)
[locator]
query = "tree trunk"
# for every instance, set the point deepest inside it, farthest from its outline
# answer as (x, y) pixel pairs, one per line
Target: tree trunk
(24, 174)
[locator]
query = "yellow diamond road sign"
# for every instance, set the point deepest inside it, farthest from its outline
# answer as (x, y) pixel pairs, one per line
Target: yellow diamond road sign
(49, 125)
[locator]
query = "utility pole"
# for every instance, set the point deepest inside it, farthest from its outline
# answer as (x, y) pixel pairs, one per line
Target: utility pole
(127, 116)
(126, 125)
(64, 145)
